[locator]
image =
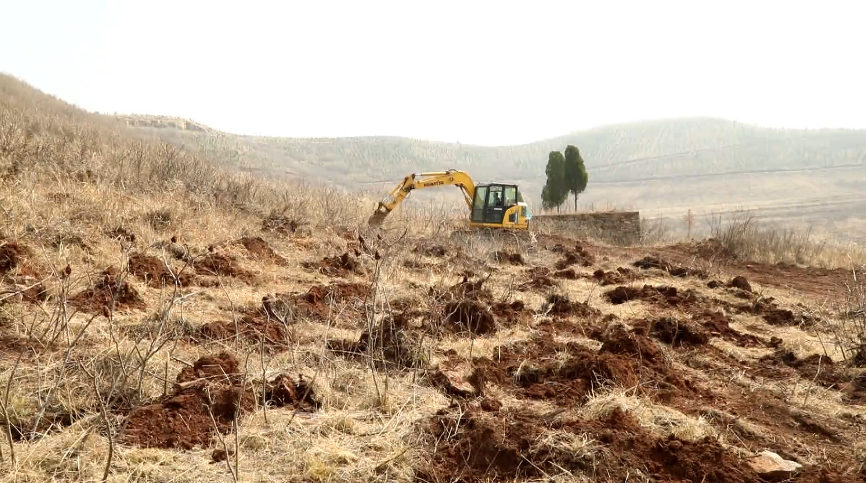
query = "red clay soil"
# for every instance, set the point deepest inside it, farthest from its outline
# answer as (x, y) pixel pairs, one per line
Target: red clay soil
(534, 369)
(108, 287)
(479, 446)
(223, 265)
(568, 274)
(153, 271)
(266, 324)
(650, 262)
(212, 387)
(537, 281)
(511, 313)
(338, 266)
(815, 367)
(11, 345)
(465, 289)
(17, 259)
(261, 250)
(620, 276)
(741, 283)
(317, 301)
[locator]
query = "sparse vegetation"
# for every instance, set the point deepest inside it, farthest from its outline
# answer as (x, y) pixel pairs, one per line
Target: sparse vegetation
(162, 319)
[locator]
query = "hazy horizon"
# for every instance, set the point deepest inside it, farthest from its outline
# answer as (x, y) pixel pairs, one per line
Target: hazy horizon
(484, 74)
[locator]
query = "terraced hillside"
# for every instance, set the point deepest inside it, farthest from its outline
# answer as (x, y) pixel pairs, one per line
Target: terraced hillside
(162, 320)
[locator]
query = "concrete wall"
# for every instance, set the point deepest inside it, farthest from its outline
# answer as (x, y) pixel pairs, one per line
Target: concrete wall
(616, 227)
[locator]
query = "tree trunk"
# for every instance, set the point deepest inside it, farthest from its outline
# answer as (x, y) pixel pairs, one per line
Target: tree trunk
(575, 202)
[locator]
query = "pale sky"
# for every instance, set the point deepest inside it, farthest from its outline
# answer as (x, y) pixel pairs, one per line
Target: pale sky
(475, 72)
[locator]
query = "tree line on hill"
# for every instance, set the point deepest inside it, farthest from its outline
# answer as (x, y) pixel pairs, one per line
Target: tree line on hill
(566, 174)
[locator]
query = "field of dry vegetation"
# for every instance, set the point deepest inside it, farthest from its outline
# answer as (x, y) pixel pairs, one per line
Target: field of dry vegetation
(161, 320)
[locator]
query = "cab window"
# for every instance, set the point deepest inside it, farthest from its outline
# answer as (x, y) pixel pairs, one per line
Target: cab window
(510, 196)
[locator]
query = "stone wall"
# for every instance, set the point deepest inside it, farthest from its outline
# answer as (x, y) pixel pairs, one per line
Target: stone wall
(616, 227)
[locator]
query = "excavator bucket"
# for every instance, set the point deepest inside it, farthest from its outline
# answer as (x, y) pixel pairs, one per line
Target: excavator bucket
(378, 217)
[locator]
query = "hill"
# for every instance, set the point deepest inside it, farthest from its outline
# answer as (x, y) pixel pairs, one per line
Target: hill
(163, 319)
(664, 168)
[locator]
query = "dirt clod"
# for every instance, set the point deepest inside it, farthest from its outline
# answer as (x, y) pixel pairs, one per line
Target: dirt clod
(508, 257)
(223, 265)
(337, 266)
(107, 289)
(577, 256)
(675, 332)
(260, 249)
(390, 343)
(469, 316)
(741, 283)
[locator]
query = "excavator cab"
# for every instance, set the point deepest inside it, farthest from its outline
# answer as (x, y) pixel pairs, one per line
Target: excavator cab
(499, 205)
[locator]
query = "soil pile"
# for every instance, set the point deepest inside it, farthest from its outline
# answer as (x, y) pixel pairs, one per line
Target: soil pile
(14, 256)
(661, 295)
(390, 343)
(508, 257)
(223, 265)
(337, 266)
(650, 262)
(511, 444)
(261, 250)
(719, 325)
(562, 306)
(208, 396)
(469, 316)
(577, 256)
(154, 273)
(106, 289)
(620, 276)
(741, 283)
(281, 225)
(674, 332)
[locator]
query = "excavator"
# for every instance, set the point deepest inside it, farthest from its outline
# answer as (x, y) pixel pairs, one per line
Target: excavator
(491, 205)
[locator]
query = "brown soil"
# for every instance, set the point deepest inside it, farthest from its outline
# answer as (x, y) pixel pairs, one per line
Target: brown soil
(859, 357)
(390, 343)
(741, 283)
(578, 256)
(503, 445)
(317, 301)
(534, 369)
(469, 316)
(620, 276)
(121, 234)
(210, 389)
(108, 287)
(508, 257)
(568, 274)
(11, 345)
(511, 313)
(562, 306)
(223, 265)
(153, 271)
(537, 281)
(466, 289)
(17, 259)
(661, 295)
(261, 250)
(674, 332)
(813, 368)
(338, 266)
(650, 262)
(719, 325)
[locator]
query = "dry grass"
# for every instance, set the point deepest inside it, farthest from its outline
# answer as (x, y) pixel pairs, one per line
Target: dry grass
(75, 186)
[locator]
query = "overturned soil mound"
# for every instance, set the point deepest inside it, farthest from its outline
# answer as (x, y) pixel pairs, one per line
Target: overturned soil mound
(578, 256)
(562, 306)
(511, 313)
(469, 316)
(154, 272)
(650, 262)
(620, 276)
(717, 324)
(741, 283)
(519, 444)
(337, 266)
(508, 257)
(16, 259)
(223, 265)
(107, 289)
(260, 249)
(661, 295)
(674, 332)
(567, 373)
(390, 343)
(568, 274)
(317, 301)
(815, 367)
(466, 289)
(208, 396)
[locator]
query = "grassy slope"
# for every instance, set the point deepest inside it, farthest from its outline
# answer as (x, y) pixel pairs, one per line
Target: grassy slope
(662, 168)
(71, 181)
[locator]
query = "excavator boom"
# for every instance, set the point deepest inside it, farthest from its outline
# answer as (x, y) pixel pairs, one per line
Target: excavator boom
(414, 181)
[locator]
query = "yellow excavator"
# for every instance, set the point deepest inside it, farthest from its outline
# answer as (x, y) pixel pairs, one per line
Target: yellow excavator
(491, 205)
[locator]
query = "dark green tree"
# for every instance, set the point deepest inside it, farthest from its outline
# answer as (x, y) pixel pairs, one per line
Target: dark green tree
(555, 190)
(575, 173)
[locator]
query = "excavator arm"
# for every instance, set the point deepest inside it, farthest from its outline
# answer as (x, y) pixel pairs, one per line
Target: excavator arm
(423, 180)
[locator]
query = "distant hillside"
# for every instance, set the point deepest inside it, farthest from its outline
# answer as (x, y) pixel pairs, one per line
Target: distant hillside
(626, 152)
